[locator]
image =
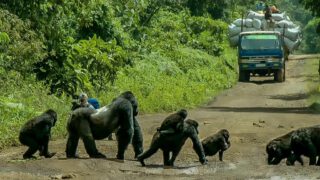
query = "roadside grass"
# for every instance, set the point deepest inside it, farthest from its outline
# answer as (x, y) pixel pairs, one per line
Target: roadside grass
(314, 85)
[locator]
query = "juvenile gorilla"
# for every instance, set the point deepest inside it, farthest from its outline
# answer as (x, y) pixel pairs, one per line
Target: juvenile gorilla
(91, 125)
(172, 122)
(36, 134)
(173, 143)
(279, 149)
(306, 141)
(217, 142)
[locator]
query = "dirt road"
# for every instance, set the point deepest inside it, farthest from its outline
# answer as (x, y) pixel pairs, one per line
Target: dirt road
(253, 112)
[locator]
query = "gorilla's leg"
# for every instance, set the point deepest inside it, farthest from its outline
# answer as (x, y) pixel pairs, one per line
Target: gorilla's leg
(31, 143)
(220, 155)
(153, 149)
(125, 132)
(44, 148)
(166, 157)
(137, 140)
(88, 140)
(318, 162)
(72, 145)
(174, 156)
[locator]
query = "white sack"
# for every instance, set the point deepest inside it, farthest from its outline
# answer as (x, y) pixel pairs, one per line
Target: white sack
(290, 33)
(234, 30)
(285, 24)
(292, 45)
(234, 40)
(256, 23)
(279, 16)
(255, 15)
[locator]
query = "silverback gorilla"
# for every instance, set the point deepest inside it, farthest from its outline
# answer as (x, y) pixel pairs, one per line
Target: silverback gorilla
(173, 143)
(217, 142)
(172, 122)
(91, 125)
(279, 148)
(306, 141)
(36, 134)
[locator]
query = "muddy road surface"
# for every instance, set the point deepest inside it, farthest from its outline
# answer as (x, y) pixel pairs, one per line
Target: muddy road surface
(253, 112)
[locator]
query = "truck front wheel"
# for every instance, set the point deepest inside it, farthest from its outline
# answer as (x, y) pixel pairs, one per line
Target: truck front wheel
(280, 75)
(244, 76)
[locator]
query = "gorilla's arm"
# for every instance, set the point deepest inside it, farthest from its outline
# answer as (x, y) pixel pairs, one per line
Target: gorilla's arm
(197, 146)
(137, 140)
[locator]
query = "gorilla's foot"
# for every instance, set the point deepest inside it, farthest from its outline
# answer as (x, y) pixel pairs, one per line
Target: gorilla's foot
(120, 157)
(75, 156)
(141, 161)
(29, 157)
(98, 155)
(47, 155)
(204, 161)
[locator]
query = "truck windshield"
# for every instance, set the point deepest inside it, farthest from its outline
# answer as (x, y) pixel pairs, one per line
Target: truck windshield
(259, 41)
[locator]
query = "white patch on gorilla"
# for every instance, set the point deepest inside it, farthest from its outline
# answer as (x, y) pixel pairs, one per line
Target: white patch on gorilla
(103, 109)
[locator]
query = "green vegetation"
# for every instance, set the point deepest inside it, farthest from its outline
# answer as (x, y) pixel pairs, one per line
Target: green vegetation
(171, 54)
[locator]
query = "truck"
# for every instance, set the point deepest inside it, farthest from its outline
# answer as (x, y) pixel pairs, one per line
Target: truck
(264, 45)
(261, 53)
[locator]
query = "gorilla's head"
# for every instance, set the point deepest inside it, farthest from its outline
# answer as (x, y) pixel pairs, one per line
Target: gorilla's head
(53, 114)
(183, 113)
(274, 153)
(225, 144)
(130, 97)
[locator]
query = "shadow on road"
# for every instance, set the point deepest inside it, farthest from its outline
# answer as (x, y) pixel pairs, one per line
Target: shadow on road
(261, 82)
(291, 97)
(294, 110)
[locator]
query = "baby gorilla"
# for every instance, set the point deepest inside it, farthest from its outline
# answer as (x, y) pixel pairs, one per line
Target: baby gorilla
(174, 122)
(217, 142)
(279, 148)
(36, 134)
(173, 143)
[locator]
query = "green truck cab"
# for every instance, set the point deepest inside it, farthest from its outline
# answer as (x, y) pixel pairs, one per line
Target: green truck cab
(261, 53)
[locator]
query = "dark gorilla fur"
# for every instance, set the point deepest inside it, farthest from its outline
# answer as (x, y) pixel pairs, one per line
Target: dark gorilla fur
(173, 120)
(306, 141)
(218, 142)
(279, 148)
(173, 143)
(91, 125)
(35, 134)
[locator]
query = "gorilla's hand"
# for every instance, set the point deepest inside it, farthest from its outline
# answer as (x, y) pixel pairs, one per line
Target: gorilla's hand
(203, 161)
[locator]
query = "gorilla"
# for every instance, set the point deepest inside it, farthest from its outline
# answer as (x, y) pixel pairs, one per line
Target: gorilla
(172, 122)
(217, 142)
(173, 142)
(90, 125)
(36, 133)
(279, 148)
(306, 141)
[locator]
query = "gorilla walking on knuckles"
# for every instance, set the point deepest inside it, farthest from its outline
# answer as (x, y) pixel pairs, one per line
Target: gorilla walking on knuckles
(91, 125)
(279, 148)
(36, 134)
(218, 142)
(173, 142)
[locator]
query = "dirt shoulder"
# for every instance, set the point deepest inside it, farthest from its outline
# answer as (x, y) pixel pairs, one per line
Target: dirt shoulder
(254, 113)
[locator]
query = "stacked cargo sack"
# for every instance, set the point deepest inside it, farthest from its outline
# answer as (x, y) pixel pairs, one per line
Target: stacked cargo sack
(255, 21)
